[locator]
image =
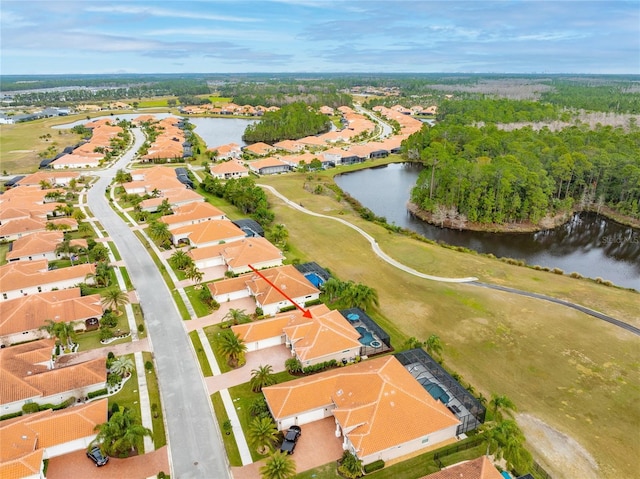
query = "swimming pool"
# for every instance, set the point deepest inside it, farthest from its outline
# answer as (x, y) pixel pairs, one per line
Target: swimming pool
(367, 337)
(436, 392)
(314, 279)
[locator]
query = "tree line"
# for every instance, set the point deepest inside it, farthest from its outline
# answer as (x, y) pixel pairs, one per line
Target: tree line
(296, 120)
(488, 175)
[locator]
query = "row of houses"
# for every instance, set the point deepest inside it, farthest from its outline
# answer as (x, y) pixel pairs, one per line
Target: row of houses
(27, 208)
(227, 109)
(170, 142)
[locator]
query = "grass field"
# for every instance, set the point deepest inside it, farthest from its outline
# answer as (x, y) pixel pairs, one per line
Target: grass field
(574, 372)
(21, 142)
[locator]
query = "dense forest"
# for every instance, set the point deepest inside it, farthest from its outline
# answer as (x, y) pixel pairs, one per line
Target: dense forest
(296, 120)
(280, 93)
(488, 175)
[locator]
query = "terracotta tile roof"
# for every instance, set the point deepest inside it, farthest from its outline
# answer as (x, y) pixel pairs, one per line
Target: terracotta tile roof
(295, 160)
(287, 278)
(289, 145)
(206, 252)
(28, 313)
(193, 212)
(247, 251)
(228, 285)
(265, 163)
(228, 167)
(23, 274)
(327, 332)
(23, 440)
(37, 243)
(311, 140)
(262, 329)
(259, 148)
(25, 374)
(209, 231)
(52, 177)
(377, 402)
(23, 226)
(480, 468)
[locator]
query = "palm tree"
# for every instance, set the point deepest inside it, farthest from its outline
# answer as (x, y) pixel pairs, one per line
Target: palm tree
(102, 275)
(122, 177)
(279, 234)
(165, 208)
(232, 347)
(412, 343)
(434, 346)
(361, 296)
(194, 274)
(121, 434)
(262, 434)
(114, 299)
(64, 209)
(67, 332)
(278, 466)
(180, 260)
(333, 289)
(122, 366)
(160, 232)
(85, 229)
(499, 404)
(262, 377)
(67, 249)
(236, 316)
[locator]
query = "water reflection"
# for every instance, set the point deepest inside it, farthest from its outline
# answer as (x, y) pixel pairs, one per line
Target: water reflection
(588, 243)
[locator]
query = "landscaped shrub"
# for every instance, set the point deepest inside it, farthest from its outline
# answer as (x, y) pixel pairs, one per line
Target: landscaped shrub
(350, 466)
(557, 271)
(374, 466)
(141, 328)
(314, 368)
(148, 366)
(11, 415)
(259, 407)
(95, 394)
(576, 275)
(30, 408)
(312, 303)
(287, 308)
(293, 365)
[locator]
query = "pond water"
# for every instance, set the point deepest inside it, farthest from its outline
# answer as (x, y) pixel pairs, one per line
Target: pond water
(214, 131)
(588, 244)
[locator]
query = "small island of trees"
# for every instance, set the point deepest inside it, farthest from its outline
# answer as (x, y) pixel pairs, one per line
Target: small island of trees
(296, 120)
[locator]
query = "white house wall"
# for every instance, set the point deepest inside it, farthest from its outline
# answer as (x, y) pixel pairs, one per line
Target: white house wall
(265, 264)
(412, 446)
(223, 298)
(348, 354)
(273, 308)
(70, 283)
(265, 343)
(81, 444)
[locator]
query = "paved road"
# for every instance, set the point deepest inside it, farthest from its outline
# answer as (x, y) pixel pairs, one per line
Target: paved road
(195, 444)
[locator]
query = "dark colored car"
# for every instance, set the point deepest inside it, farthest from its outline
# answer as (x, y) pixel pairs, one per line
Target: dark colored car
(96, 456)
(290, 439)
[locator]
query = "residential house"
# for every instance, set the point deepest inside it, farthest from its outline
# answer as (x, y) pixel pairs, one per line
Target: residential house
(229, 151)
(21, 318)
(379, 409)
(176, 197)
(229, 169)
(238, 255)
(27, 441)
(40, 245)
(299, 160)
(268, 166)
(480, 468)
(259, 149)
(21, 278)
(207, 233)
(54, 178)
(268, 293)
(191, 214)
(290, 146)
(325, 336)
(27, 375)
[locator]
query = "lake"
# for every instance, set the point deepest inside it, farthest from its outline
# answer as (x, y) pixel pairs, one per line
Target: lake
(588, 244)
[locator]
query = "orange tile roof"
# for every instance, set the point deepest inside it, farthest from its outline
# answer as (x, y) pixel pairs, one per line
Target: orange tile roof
(259, 148)
(22, 226)
(287, 278)
(192, 212)
(209, 231)
(228, 285)
(24, 372)
(28, 313)
(265, 163)
(480, 468)
(262, 329)
(378, 401)
(23, 440)
(228, 167)
(247, 251)
(48, 176)
(22, 274)
(37, 243)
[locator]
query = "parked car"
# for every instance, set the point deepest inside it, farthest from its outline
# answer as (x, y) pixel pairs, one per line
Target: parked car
(96, 456)
(290, 439)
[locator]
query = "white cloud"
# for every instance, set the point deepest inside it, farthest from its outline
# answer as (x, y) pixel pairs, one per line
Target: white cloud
(163, 12)
(9, 19)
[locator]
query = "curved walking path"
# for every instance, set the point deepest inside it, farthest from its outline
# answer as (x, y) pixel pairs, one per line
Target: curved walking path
(374, 244)
(470, 280)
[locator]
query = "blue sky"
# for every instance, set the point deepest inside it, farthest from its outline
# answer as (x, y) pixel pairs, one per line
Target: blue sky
(218, 36)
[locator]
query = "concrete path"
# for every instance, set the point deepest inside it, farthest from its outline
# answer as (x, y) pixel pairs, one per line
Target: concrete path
(374, 244)
(145, 405)
(117, 349)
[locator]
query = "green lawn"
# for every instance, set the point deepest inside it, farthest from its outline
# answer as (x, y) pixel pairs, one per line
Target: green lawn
(159, 435)
(211, 333)
(500, 343)
(127, 281)
(229, 440)
(4, 249)
(91, 339)
(199, 307)
(202, 357)
(243, 396)
(139, 316)
(128, 396)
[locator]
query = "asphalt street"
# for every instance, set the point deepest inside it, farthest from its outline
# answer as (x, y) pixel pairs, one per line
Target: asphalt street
(195, 443)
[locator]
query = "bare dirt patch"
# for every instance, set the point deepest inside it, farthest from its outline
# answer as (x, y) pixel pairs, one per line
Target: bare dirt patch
(560, 454)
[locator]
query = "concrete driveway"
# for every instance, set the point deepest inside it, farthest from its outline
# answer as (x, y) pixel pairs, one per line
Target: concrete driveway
(77, 464)
(318, 445)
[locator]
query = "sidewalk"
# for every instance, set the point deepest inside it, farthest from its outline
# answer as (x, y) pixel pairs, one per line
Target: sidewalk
(145, 405)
